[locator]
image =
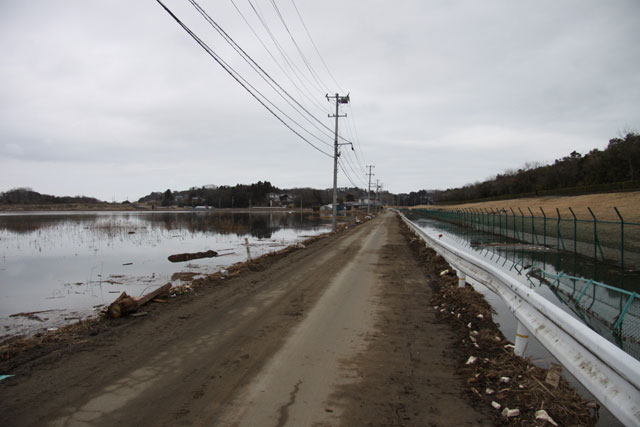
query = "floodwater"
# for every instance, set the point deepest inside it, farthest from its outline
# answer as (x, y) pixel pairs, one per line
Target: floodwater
(59, 267)
(512, 260)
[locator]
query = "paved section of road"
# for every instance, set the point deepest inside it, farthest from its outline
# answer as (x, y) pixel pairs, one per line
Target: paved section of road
(339, 333)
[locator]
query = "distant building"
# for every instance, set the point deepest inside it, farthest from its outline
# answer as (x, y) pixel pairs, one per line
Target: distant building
(280, 199)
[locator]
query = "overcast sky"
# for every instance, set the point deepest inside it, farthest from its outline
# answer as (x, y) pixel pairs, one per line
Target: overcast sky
(113, 99)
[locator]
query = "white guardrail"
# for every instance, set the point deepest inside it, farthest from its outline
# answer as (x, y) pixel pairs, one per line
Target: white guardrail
(609, 373)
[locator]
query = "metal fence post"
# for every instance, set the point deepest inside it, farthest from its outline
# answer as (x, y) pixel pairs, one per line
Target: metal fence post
(596, 241)
(522, 222)
(544, 228)
(575, 231)
(488, 215)
(493, 222)
(534, 236)
(621, 238)
(558, 234)
(515, 227)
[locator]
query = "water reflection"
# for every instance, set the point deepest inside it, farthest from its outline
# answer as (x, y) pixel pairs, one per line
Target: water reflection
(257, 224)
(70, 262)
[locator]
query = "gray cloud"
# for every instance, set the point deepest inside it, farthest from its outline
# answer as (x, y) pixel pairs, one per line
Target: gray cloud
(113, 99)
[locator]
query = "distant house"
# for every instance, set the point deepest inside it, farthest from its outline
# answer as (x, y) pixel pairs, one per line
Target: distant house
(280, 199)
(329, 208)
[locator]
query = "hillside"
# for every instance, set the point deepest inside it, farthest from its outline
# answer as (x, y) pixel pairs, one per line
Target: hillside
(628, 204)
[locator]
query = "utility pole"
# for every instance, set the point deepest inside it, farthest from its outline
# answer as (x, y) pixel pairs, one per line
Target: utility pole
(369, 190)
(377, 192)
(339, 100)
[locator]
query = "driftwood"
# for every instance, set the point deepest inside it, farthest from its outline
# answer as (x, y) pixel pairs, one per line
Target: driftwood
(125, 304)
(190, 256)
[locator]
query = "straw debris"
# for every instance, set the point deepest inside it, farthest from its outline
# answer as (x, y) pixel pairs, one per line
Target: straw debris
(509, 381)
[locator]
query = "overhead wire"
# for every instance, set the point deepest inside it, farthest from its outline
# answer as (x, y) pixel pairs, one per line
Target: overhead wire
(299, 108)
(349, 163)
(315, 46)
(240, 80)
(295, 43)
(357, 137)
(285, 72)
(264, 75)
(347, 175)
(294, 68)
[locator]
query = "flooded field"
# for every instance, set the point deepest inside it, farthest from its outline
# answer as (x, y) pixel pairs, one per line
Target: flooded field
(61, 267)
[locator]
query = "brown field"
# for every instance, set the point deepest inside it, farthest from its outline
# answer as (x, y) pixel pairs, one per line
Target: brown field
(628, 204)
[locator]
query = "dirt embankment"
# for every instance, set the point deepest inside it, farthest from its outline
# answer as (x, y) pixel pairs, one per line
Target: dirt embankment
(493, 375)
(628, 204)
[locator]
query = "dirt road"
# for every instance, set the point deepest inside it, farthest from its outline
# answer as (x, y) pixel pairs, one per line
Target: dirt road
(339, 333)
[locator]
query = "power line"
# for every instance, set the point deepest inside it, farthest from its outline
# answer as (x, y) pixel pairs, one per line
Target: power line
(295, 43)
(285, 72)
(262, 73)
(316, 47)
(350, 165)
(347, 175)
(236, 76)
(283, 53)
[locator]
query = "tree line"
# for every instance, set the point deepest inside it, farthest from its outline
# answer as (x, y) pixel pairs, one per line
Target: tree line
(26, 196)
(618, 163)
(249, 195)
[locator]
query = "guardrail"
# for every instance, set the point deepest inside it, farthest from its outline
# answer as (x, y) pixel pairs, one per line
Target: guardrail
(609, 373)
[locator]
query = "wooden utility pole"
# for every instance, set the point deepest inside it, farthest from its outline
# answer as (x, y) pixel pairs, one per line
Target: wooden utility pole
(339, 100)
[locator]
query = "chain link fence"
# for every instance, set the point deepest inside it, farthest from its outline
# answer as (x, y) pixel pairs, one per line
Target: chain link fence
(615, 242)
(616, 311)
(547, 248)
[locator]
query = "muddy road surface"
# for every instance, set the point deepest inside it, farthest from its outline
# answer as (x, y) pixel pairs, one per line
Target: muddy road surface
(338, 333)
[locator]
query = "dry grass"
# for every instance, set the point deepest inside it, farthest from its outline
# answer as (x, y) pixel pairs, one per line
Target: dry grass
(628, 204)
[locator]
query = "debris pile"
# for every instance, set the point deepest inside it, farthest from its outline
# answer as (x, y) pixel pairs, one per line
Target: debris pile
(513, 387)
(125, 304)
(189, 256)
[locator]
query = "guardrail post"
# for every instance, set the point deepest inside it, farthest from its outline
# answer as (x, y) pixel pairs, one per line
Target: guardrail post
(522, 339)
(621, 238)
(462, 279)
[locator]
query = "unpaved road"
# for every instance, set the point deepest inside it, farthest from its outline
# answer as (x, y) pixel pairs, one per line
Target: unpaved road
(340, 333)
